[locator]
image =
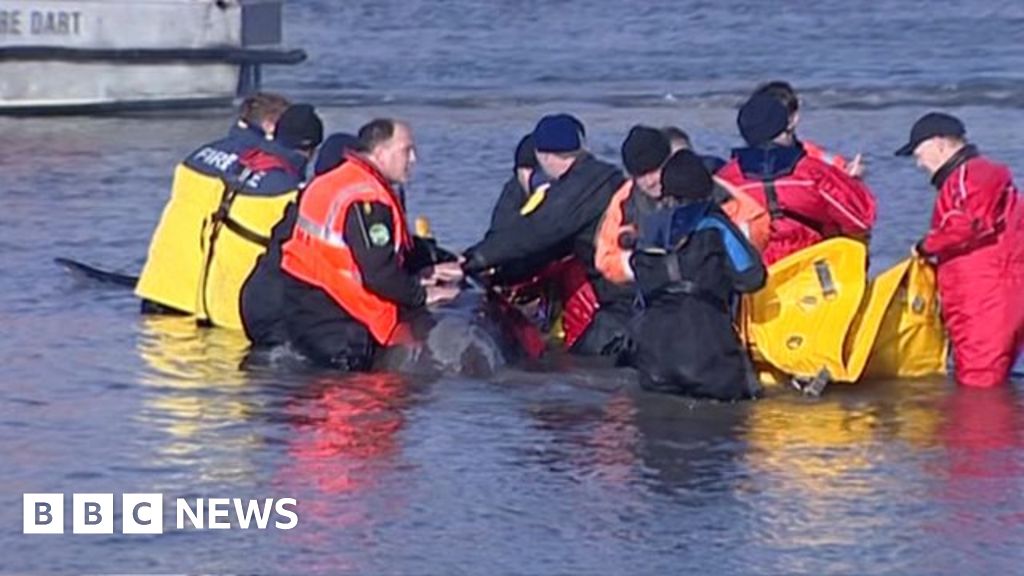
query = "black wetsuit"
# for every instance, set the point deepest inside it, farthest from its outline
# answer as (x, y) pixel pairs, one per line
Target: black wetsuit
(684, 340)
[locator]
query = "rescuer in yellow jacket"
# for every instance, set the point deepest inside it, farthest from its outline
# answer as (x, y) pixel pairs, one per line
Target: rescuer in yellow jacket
(225, 199)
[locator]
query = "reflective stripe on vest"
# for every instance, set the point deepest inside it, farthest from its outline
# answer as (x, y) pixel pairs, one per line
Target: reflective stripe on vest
(321, 233)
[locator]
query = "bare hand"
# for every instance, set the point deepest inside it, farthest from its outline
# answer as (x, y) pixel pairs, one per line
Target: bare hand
(449, 272)
(439, 294)
(856, 167)
(428, 277)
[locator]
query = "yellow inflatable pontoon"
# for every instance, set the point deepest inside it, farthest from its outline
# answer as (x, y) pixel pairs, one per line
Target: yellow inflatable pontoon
(819, 319)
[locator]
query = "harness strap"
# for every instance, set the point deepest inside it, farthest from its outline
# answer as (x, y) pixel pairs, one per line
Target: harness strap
(777, 212)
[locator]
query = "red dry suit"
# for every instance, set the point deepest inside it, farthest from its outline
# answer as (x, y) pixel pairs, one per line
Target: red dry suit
(977, 237)
(807, 199)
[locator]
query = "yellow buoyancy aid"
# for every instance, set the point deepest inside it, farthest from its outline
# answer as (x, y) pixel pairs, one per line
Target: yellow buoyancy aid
(198, 259)
(818, 315)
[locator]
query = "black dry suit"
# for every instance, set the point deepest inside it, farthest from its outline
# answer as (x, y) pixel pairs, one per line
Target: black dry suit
(689, 264)
(262, 298)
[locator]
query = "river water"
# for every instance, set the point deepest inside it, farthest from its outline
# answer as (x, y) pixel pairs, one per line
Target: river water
(565, 472)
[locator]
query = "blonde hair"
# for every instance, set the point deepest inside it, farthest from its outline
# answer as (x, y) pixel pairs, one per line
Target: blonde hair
(262, 107)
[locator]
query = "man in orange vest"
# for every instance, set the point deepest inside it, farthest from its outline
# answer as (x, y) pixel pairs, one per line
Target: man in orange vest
(350, 269)
(644, 152)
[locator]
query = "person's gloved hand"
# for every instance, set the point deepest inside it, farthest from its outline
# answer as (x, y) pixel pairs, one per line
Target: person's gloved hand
(918, 251)
(628, 239)
(474, 262)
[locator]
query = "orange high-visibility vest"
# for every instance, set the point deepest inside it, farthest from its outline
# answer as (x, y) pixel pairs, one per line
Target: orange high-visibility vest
(317, 252)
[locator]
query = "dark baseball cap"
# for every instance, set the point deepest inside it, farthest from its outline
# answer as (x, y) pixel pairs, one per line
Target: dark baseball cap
(929, 126)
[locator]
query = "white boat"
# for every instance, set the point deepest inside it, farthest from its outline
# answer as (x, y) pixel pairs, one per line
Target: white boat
(84, 56)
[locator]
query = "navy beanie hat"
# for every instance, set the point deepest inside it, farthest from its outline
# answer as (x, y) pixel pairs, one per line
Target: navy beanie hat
(558, 133)
(526, 153)
(332, 152)
(761, 119)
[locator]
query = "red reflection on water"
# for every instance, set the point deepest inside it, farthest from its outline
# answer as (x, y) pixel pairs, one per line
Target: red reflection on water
(341, 425)
(981, 432)
(980, 478)
(343, 441)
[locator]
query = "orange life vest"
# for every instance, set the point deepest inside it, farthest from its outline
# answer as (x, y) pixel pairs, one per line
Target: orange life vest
(610, 258)
(317, 252)
(748, 214)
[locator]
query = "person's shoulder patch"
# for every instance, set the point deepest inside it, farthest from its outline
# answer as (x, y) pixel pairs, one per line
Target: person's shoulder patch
(379, 234)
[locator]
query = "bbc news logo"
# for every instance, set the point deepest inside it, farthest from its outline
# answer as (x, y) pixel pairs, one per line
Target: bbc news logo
(144, 514)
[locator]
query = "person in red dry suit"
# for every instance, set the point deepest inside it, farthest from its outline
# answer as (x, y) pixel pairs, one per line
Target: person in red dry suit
(977, 241)
(786, 95)
(807, 199)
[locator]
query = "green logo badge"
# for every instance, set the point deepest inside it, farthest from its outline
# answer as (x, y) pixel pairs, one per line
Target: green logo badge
(379, 235)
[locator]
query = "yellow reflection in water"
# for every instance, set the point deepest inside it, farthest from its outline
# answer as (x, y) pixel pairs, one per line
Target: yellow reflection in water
(197, 391)
(820, 458)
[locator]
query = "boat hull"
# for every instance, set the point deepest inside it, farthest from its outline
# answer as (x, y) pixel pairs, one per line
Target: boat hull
(73, 56)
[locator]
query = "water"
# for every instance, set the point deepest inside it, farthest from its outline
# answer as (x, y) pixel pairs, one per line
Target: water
(524, 473)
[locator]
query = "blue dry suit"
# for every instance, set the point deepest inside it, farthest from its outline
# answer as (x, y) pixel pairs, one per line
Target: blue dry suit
(689, 264)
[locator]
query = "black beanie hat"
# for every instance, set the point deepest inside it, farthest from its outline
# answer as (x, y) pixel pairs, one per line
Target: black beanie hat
(526, 153)
(644, 150)
(299, 128)
(684, 177)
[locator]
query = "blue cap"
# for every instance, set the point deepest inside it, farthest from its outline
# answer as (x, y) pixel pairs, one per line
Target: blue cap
(761, 119)
(558, 133)
(332, 152)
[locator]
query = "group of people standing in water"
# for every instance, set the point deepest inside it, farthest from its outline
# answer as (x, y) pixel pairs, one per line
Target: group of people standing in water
(644, 265)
